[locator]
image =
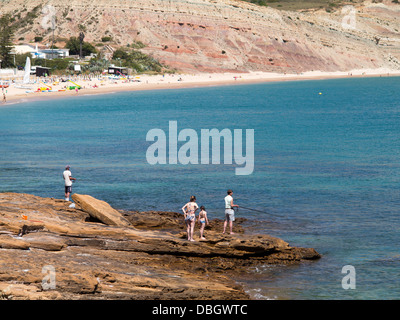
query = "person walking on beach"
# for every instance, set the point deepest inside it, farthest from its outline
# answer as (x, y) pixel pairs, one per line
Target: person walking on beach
(203, 220)
(229, 213)
(189, 210)
(68, 182)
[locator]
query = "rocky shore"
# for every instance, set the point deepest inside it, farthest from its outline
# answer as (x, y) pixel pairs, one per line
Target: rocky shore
(49, 250)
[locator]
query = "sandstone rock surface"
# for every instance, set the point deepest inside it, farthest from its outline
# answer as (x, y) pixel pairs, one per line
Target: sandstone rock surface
(100, 210)
(148, 258)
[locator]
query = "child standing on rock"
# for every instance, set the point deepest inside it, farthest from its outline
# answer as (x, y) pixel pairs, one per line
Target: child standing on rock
(203, 220)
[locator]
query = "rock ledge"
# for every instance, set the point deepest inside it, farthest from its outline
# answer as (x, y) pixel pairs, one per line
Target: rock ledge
(132, 255)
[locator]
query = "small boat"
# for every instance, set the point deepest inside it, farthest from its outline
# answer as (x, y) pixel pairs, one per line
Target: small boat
(4, 86)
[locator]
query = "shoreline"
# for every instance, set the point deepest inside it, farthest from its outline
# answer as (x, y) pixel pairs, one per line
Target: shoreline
(165, 82)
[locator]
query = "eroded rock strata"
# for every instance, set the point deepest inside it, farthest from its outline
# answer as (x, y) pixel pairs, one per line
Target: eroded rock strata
(224, 35)
(148, 258)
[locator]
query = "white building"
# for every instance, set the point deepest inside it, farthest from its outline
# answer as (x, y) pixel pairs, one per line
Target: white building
(23, 48)
(51, 53)
(44, 53)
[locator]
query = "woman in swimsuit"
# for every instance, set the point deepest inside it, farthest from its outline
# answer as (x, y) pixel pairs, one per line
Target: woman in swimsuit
(203, 220)
(189, 210)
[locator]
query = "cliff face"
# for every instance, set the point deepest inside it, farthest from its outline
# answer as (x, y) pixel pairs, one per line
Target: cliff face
(49, 250)
(228, 35)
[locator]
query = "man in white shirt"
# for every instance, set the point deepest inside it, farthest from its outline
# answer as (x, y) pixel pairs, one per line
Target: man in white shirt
(229, 213)
(68, 182)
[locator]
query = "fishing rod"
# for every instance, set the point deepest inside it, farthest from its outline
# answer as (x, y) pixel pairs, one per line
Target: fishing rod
(252, 209)
(256, 210)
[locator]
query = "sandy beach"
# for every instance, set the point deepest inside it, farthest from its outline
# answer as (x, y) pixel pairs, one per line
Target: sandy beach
(17, 92)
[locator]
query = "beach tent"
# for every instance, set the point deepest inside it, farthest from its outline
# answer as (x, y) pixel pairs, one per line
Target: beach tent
(42, 71)
(118, 70)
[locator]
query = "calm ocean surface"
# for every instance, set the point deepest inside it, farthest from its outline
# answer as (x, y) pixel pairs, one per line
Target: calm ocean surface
(327, 169)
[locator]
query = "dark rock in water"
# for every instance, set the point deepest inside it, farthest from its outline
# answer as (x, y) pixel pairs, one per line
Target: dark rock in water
(146, 256)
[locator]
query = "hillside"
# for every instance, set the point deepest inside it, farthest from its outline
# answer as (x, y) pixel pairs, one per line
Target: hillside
(224, 35)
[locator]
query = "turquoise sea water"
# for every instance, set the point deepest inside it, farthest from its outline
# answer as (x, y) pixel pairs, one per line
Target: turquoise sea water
(326, 169)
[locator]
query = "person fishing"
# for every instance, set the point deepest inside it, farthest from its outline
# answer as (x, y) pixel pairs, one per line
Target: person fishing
(189, 210)
(68, 182)
(229, 212)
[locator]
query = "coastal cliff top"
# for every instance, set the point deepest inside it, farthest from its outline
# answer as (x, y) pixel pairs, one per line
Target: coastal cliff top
(135, 255)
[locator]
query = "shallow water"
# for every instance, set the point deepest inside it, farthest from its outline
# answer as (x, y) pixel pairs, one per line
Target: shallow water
(326, 169)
